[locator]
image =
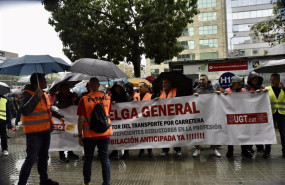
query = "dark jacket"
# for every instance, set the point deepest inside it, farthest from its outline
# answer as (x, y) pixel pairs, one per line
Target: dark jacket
(250, 86)
(118, 98)
(28, 103)
(64, 101)
(205, 90)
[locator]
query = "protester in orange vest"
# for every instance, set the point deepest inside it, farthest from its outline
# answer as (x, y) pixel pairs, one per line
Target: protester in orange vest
(64, 99)
(90, 139)
(168, 92)
(142, 96)
(37, 125)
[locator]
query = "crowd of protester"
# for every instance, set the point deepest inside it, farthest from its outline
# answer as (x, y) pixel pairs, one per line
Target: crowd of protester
(28, 104)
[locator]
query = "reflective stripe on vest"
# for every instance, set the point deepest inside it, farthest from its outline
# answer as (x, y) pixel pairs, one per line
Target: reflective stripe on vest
(89, 105)
(3, 103)
(277, 104)
(147, 96)
(40, 119)
(172, 93)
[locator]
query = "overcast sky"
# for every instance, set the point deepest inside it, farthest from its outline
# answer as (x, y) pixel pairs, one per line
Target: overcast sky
(24, 29)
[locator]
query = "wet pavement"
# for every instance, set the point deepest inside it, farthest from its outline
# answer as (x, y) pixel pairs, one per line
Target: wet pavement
(171, 170)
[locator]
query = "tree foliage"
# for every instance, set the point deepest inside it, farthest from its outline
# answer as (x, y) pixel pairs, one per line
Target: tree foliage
(274, 27)
(118, 30)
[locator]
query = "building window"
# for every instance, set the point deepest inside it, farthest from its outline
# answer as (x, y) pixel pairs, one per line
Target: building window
(190, 44)
(208, 30)
(186, 57)
(209, 16)
(241, 40)
(239, 3)
(241, 27)
(253, 14)
(166, 70)
(154, 72)
(208, 43)
(210, 55)
(206, 3)
(188, 31)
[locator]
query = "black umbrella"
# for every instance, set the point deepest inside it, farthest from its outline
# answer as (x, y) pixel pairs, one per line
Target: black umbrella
(178, 80)
(64, 79)
(4, 88)
(273, 66)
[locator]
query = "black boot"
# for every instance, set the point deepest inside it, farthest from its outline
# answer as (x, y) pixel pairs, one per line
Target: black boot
(245, 152)
(230, 152)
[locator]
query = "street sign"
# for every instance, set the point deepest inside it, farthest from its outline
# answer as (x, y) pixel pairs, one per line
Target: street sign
(229, 66)
(225, 80)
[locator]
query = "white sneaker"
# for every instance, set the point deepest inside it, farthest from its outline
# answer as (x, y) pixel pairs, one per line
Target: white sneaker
(216, 153)
(5, 152)
(179, 154)
(196, 153)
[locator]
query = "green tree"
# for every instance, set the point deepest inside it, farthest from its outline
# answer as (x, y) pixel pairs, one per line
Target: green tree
(272, 28)
(121, 30)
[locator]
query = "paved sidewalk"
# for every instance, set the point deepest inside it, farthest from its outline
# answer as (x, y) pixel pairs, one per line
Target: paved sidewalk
(206, 169)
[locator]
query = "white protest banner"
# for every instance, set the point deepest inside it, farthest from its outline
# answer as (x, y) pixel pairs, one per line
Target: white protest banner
(64, 137)
(210, 119)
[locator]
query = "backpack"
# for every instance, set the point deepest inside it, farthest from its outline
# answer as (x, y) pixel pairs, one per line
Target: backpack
(99, 120)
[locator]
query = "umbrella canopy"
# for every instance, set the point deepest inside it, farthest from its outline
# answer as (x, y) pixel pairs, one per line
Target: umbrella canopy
(64, 79)
(80, 77)
(150, 79)
(4, 88)
(111, 82)
(178, 80)
(30, 64)
(26, 79)
(273, 66)
(137, 81)
(96, 67)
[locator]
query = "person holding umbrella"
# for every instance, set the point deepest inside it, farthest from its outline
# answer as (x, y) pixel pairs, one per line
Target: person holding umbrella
(64, 99)
(119, 95)
(142, 96)
(168, 91)
(37, 125)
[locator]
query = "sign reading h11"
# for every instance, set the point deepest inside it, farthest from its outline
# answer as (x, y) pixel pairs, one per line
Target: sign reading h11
(225, 80)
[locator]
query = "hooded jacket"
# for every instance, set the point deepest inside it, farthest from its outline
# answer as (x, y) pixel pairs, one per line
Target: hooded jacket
(250, 86)
(28, 103)
(118, 98)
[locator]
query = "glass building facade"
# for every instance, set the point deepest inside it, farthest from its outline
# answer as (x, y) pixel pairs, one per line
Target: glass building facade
(240, 16)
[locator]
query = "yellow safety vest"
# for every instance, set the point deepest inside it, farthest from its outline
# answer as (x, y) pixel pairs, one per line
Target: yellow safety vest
(277, 104)
(3, 103)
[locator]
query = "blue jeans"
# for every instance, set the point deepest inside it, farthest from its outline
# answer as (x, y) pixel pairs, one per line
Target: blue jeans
(89, 147)
(37, 149)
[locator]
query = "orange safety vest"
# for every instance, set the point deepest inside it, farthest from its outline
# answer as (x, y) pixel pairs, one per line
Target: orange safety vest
(172, 93)
(40, 119)
(147, 96)
(89, 105)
